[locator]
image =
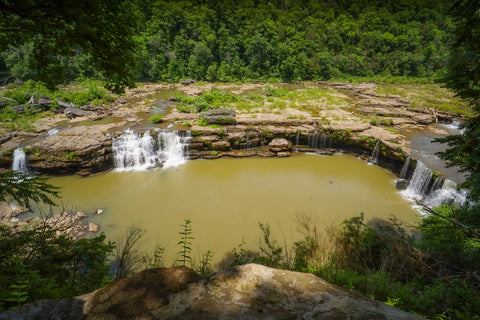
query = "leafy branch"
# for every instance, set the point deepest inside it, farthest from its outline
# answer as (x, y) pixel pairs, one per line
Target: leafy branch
(24, 188)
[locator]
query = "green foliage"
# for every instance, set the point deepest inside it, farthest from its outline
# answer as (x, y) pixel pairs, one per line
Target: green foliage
(86, 92)
(202, 121)
(154, 260)
(433, 275)
(463, 76)
(185, 243)
(273, 91)
(271, 252)
(205, 263)
(18, 294)
(242, 255)
(228, 41)
(451, 248)
(102, 31)
(39, 264)
(156, 119)
(127, 258)
(24, 188)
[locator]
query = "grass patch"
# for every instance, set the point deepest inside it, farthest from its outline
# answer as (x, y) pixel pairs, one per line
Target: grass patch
(156, 119)
(428, 96)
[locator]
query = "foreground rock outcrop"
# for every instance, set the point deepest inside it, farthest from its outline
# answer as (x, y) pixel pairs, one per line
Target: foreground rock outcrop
(247, 292)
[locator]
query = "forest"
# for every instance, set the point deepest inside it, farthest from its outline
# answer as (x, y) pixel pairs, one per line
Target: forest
(260, 40)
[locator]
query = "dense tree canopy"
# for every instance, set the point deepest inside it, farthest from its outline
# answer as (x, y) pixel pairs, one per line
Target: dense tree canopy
(464, 77)
(292, 40)
(223, 39)
(46, 36)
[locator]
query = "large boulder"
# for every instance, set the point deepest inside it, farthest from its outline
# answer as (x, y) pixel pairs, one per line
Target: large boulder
(247, 292)
(73, 112)
(280, 145)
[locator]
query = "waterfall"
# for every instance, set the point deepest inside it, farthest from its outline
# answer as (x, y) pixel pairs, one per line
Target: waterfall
(446, 194)
(173, 148)
(421, 178)
(404, 171)
(133, 152)
(251, 141)
(312, 140)
(136, 152)
(374, 156)
(297, 141)
(324, 141)
(19, 162)
(433, 194)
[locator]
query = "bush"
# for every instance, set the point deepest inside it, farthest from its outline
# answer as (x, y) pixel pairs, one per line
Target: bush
(156, 119)
(39, 264)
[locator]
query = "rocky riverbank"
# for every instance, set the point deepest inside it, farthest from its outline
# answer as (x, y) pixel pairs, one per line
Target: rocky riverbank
(356, 119)
(73, 224)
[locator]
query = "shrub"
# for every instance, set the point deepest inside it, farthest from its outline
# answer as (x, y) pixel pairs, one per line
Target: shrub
(202, 122)
(39, 264)
(156, 119)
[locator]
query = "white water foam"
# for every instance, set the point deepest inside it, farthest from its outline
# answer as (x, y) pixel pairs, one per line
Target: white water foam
(438, 193)
(418, 186)
(136, 152)
(19, 162)
(173, 148)
(456, 126)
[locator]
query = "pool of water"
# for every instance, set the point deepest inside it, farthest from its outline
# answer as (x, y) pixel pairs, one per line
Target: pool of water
(227, 198)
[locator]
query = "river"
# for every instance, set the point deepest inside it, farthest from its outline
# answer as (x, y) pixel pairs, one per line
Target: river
(227, 198)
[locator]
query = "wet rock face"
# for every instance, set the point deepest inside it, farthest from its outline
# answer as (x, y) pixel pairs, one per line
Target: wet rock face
(247, 292)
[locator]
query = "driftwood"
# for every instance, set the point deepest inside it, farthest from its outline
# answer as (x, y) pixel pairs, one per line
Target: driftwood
(4, 82)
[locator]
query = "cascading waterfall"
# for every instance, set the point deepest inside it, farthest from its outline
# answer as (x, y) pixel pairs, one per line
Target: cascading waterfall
(433, 194)
(173, 148)
(251, 143)
(318, 141)
(19, 162)
(421, 178)
(446, 194)
(406, 165)
(297, 141)
(324, 141)
(374, 156)
(136, 152)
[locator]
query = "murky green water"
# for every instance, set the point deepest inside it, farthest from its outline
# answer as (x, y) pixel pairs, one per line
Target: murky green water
(227, 198)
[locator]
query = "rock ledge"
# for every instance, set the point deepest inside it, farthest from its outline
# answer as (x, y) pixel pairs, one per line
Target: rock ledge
(247, 292)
